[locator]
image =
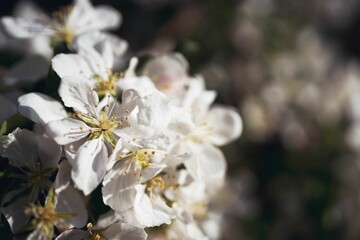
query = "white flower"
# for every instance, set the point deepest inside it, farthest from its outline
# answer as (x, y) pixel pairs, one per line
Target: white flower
(141, 84)
(170, 75)
(134, 185)
(37, 158)
(97, 66)
(92, 132)
(108, 227)
(28, 70)
(134, 167)
(89, 136)
(214, 126)
(69, 199)
(65, 24)
(115, 231)
(35, 52)
(94, 61)
(41, 108)
(48, 216)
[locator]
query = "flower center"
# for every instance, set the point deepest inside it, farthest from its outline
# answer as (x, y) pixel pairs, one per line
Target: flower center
(36, 179)
(101, 126)
(143, 157)
(199, 209)
(45, 217)
(156, 183)
(108, 85)
(200, 133)
(94, 235)
(60, 24)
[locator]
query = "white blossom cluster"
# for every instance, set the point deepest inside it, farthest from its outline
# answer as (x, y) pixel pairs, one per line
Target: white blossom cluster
(149, 141)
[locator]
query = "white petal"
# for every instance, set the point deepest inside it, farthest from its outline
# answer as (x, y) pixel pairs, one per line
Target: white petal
(89, 165)
(77, 92)
(81, 16)
(49, 152)
(142, 85)
(72, 234)
(70, 201)
(173, 65)
(197, 100)
(63, 177)
(151, 171)
(14, 212)
(226, 125)
(123, 231)
(71, 149)
(208, 165)
(41, 108)
(154, 110)
(130, 72)
(151, 212)
(106, 220)
(20, 147)
(37, 234)
(67, 130)
(28, 70)
(106, 18)
(118, 190)
(104, 44)
(24, 28)
(27, 9)
(71, 65)
(129, 101)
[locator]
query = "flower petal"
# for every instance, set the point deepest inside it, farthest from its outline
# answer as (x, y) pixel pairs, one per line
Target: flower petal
(118, 186)
(49, 152)
(14, 212)
(20, 147)
(106, 18)
(28, 70)
(105, 45)
(142, 85)
(70, 201)
(41, 108)
(151, 212)
(24, 28)
(207, 165)
(71, 65)
(73, 234)
(77, 92)
(226, 125)
(67, 130)
(123, 231)
(89, 165)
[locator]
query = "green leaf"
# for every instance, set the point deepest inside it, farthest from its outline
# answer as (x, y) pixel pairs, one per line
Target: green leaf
(15, 121)
(3, 128)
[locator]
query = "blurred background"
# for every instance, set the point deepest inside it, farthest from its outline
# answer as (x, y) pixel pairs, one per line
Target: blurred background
(292, 70)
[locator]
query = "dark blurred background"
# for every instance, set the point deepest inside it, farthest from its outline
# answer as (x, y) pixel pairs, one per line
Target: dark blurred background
(291, 69)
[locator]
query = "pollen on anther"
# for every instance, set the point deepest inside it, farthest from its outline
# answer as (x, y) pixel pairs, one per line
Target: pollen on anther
(89, 225)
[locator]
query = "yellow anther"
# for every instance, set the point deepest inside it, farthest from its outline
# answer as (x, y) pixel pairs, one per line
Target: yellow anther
(89, 225)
